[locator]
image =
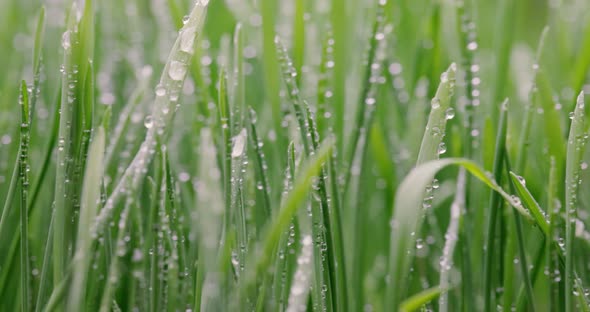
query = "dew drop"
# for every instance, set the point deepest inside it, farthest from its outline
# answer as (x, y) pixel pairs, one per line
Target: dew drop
(187, 40)
(177, 70)
(66, 40)
(435, 103)
(442, 148)
(148, 122)
(160, 90)
(239, 144)
(450, 113)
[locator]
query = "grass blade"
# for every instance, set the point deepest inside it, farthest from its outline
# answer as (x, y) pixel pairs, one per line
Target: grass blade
(575, 144)
(418, 300)
(24, 178)
(89, 208)
(494, 207)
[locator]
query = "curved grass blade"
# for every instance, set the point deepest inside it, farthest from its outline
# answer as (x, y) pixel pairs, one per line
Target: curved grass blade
(420, 299)
(407, 214)
(165, 104)
(530, 203)
(524, 268)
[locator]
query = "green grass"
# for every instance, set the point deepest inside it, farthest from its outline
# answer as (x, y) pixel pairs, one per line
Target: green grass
(276, 155)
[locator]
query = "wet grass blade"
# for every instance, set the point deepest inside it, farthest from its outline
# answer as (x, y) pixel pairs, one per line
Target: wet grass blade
(407, 217)
(575, 144)
(524, 268)
(90, 199)
(167, 94)
(37, 50)
(24, 178)
(451, 238)
(530, 203)
(429, 150)
(420, 299)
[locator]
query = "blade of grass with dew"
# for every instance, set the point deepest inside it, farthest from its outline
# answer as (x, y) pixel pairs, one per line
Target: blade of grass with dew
(429, 150)
(550, 257)
(239, 79)
(575, 146)
(37, 50)
(467, 31)
(175, 258)
(89, 208)
(238, 153)
(357, 157)
(372, 71)
(324, 92)
(406, 218)
(64, 153)
(165, 104)
(226, 124)
(299, 292)
(281, 283)
(530, 203)
(261, 167)
(24, 179)
(451, 238)
(494, 206)
(524, 268)
(420, 299)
